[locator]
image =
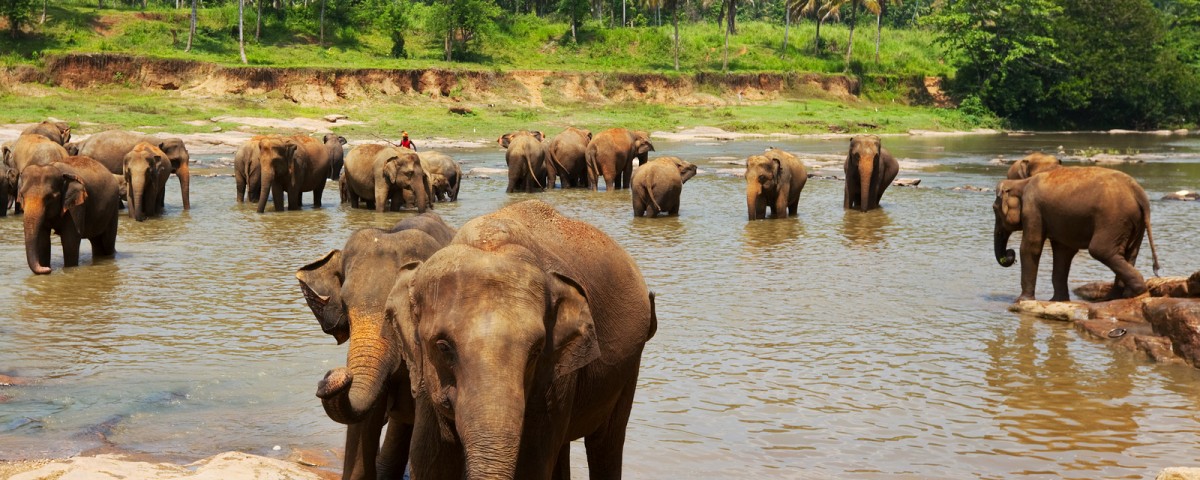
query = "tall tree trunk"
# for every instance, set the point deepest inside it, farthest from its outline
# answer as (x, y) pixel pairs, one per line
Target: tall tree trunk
(675, 16)
(43, 20)
(850, 42)
(447, 43)
(574, 39)
(597, 12)
(732, 17)
(258, 19)
(192, 30)
(878, 30)
(817, 41)
(787, 25)
(241, 30)
(623, 13)
(321, 41)
(725, 57)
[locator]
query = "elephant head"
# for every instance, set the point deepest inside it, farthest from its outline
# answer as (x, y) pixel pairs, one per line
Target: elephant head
(642, 146)
(276, 157)
(1033, 164)
(687, 169)
(58, 132)
(72, 148)
(506, 139)
(481, 331)
(145, 171)
(47, 193)
(1007, 209)
(864, 156)
(8, 188)
(763, 175)
(402, 170)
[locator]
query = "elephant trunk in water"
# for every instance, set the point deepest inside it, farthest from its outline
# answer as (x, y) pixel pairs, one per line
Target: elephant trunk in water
(348, 393)
(37, 238)
(1004, 255)
(268, 184)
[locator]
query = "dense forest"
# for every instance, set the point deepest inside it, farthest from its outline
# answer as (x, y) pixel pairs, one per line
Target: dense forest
(1035, 63)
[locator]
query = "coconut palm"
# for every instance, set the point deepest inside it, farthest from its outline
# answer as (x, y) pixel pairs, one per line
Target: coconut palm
(821, 10)
(854, 6)
(877, 6)
(673, 6)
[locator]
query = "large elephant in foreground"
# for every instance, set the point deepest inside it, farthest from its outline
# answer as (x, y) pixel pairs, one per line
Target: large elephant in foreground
(516, 345)
(145, 173)
(870, 169)
(57, 132)
(526, 158)
(109, 148)
(567, 155)
(379, 174)
(1102, 210)
(77, 198)
(1033, 164)
(445, 176)
(610, 154)
(347, 290)
(294, 164)
(658, 184)
(774, 180)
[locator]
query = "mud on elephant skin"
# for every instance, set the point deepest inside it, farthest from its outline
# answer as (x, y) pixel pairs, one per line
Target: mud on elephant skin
(386, 178)
(77, 198)
(145, 176)
(658, 184)
(774, 180)
(870, 169)
(1032, 164)
(347, 291)
(517, 345)
(110, 147)
(526, 158)
(1102, 210)
(567, 157)
(610, 155)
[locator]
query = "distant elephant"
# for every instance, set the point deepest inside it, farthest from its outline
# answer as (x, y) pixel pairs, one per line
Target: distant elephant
(293, 164)
(1102, 210)
(109, 148)
(775, 180)
(8, 187)
(870, 169)
(334, 145)
(526, 157)
(610, 154)
(438, 164)
(146, 172)
(379, 174)
(1033, 164)
(567, 156)
(347, 290)
(517, 344)
(77, 198)
(657, 185)
(247, 169)
(57, 132)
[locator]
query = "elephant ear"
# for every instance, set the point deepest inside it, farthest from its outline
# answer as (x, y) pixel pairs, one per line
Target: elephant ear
(402, 314)
(1010, 206)
(504, 140)
(341, 140)
(538, 135)
(321, 281)
(573, 341)
(74, 197)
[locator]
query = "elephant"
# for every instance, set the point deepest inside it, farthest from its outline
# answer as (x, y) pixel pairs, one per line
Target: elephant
(611, 153)
(526, 157)
(347, 291)
(8, 186)
(293, 164)
(657, 185)
(77, 198)
(247, 170)
(57, 132)
(870, 169)
(334, 146)
(146, 172)
(774, 179)
(380, 173)
(34, 149)
(516, 345)
(445, 175)
(109, 148)
(1033, 164)
(1102, 210)
(567, 155)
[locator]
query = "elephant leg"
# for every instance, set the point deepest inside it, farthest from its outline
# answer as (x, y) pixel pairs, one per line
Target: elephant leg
(381, 197)
(1031, 255)
(70, 245)
(1127, 275)
(760, 207)
(1063, 255)
(433, 457)
(241, 188)
(362, 444)
(639, 204)
(317, 195)
(295, 199)
(105, 245)
(277, 197)
(562, 466)
(393, 456)
(846, 195)
(606, 446)
(780, 208)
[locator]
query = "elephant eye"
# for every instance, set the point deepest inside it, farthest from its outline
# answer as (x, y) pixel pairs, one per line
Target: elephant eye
(447, 350)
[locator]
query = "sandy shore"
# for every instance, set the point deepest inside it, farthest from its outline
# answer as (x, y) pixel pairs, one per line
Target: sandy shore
(228, 465)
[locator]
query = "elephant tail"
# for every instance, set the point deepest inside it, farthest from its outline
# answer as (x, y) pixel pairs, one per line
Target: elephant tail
(555, 164)
(1150, 236)
(650, 194)
(593, 172)
(532, 174)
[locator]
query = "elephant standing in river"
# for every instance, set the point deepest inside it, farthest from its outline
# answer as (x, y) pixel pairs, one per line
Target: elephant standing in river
(31, 149)
(1032, 164)
(526, 157)
(347, 290)
(145, 175)
(445, 176)
(8, 186)
(517, 344)
(658, 184)
(774, 180)
(294, 165)
(380, 174)
(109, 148)
(567, 157)
(57, 132)
(247, 170)
(1102, 210)
(870, 169)
(610, 154)
(335, 147)
(77, 198)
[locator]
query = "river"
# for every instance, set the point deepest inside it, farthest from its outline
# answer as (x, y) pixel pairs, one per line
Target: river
(835, 344)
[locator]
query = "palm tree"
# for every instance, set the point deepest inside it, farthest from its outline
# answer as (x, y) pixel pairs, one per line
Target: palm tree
(673, 5)
(854, 4)
(821, 10)
(192, 31)
(241, 29)
(878, 6)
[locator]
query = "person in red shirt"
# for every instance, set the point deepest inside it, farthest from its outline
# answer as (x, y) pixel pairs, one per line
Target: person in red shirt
(406, 143)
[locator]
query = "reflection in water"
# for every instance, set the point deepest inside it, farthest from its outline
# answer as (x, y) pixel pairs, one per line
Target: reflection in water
(668, 230)
(767, 233)
(865, 229)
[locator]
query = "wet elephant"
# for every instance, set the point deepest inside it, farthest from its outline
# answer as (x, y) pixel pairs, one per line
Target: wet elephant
(57, 132)
(610, 154)
(516, 345)
(247, 170)
(445, 175)
(1033, 164)
(567, 157)
(526, 158)
(658, 184)
(1102, 210)
(8, 186)
(335, 148)
(145, 176)
(77, 198)
(380, 174)
(109, 148)
(31, 149)
(870, 169)
(774, 180)
(347, 290)
(291, 165)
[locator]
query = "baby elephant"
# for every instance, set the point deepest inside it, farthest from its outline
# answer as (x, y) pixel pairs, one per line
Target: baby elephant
(774, 179)
(657, 185)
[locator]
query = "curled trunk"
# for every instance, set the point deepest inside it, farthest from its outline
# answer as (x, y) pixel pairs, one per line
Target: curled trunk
(37, 239)
(1006, 256)
(369, 364)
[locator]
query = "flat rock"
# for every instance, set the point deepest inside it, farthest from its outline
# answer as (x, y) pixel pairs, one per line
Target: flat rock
(1179, 473)
(1063, 311)
(1182, 195)
(334, 117)
(906, 182)
(1179, 320)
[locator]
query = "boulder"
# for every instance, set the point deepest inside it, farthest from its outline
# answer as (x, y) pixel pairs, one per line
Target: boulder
(1177, 287)
(1063, 311)
(1179, 473)
(1182, 195)
(334, 117)
(1178, 320)
(906, 182)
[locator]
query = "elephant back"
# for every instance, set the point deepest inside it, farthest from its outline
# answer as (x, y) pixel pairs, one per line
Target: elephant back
(32, 149)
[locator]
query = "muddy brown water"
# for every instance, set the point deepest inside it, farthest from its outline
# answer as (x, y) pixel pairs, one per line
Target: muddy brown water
(838, 343)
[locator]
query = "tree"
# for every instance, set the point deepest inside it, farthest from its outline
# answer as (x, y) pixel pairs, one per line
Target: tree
(321, 40)
(728, 28)
(821, 10)
(18, 13)
(192, 30)
(854, 6)
(258, 19)
(575, 10)
(879, 7)
(462, 19)
(241, 30)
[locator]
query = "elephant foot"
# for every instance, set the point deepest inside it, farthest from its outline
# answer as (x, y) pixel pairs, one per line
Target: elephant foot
(335, 381)
(1023, 298)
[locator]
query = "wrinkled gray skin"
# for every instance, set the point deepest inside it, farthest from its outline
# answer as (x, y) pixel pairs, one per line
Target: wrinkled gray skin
(1033, 164)
(8, 185)
(526, 158)
(437, 164)
(146, 172)
(247, 169)
(774, 180)
(77, 198)
(347, 290)
(334, 146)
(380, 174)
(870, 169)
(657, 185)
(57, 132)
(294, 164)
(567, 157)
(610, 155)
(516, 345)
(109, 148)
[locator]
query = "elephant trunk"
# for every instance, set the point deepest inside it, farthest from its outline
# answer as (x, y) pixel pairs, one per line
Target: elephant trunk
(865, 177)
(37, 237)
(137, 197)
(349, 393)
(265, 181)
(1006, 256)
(491, 434)
(751, 199)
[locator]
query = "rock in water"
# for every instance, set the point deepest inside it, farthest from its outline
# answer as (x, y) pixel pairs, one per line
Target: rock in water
(1182, 195)
(1064, 311)
(1179, 320)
